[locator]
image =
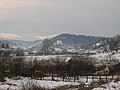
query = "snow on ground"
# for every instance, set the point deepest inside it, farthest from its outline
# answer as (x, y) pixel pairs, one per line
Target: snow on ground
(106, 58)
(109, 86)
(47, 57)
(117, 56)
(13, 84)
(100, 56)
(17, 84)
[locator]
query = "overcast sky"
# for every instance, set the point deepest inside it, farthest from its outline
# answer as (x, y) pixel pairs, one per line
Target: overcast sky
(33, 19)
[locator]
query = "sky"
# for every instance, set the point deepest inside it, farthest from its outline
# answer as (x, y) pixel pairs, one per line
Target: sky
(39, 19)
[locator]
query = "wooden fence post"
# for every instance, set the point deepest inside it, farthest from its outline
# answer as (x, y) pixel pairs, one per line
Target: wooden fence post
(86, 79)
(99, 77)
(118, 75)
(112, 76)
(106, 78)
(92, 78)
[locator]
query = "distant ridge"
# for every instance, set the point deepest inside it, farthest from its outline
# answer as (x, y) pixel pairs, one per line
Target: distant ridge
(21, 43)
(66, 38)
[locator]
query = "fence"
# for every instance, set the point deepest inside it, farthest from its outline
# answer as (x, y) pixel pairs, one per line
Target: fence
(85, 79)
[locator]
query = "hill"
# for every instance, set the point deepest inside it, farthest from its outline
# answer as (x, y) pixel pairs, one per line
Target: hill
(72, 39)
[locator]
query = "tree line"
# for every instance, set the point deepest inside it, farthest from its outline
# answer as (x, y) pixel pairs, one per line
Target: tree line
(12, 66)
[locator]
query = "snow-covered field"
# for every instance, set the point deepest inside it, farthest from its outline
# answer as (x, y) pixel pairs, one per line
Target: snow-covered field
(17, 84)
(109, 86)
(98, 56)
(48, 57)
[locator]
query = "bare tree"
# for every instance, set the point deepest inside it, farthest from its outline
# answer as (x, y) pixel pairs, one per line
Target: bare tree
(45, 49)
(80, 64)
(4, 57)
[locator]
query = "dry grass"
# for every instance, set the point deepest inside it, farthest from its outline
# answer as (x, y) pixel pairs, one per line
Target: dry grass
(33, 86)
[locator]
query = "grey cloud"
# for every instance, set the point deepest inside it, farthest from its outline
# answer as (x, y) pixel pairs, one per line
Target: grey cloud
(89, 17)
